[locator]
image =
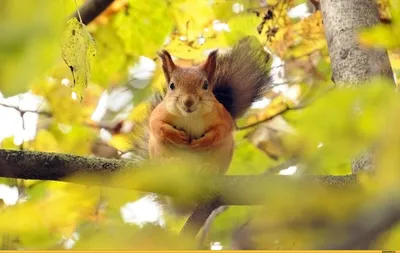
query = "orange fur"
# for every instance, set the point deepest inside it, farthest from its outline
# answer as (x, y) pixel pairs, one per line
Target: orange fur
(213, 150)
(194, 119)
(190, 122)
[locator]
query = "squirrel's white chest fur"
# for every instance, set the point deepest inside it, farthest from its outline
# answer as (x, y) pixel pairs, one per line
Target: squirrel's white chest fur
(194, 125)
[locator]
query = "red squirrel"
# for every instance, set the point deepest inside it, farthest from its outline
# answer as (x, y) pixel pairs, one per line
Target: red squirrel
(195, 118)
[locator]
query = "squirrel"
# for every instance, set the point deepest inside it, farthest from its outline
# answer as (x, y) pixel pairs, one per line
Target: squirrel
(195, 117)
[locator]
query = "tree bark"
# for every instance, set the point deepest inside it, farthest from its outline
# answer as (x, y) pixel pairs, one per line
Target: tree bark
(351, 63)
(233, 190)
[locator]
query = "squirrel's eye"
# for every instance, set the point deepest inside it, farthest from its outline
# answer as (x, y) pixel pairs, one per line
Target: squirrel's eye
(172, 86)
(205, 85)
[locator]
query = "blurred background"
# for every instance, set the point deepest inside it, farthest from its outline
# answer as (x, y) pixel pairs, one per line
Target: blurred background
(93, 110)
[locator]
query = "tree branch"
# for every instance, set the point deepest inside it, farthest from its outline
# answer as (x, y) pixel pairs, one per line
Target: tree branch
(91, 9)
(52, 166)
(210, 192)
(208, 223)
(49, 114)
(199, 216)
(232, 190)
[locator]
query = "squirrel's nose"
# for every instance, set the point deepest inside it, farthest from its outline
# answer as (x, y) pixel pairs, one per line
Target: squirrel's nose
(188, 102)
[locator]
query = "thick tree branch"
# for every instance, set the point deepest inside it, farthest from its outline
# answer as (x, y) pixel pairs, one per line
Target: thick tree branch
(209, 192)
(232, 190)
(52, 166)
(91, 9)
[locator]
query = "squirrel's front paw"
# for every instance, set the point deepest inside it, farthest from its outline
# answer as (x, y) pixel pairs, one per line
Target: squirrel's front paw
(177, 137)
(205, 142)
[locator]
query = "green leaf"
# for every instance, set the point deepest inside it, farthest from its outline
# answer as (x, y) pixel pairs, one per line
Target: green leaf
(78, 50)
(119, 236)
(343, 130)
(187, 19)
(226, 222)
(381, 35)
(241, 26)
(30, 34)
(247, 159)
(8, 143)
(39, 239)
(143, 27)
(111, 60)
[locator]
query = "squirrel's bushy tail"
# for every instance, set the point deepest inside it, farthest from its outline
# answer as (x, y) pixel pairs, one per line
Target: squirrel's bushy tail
(242, 76)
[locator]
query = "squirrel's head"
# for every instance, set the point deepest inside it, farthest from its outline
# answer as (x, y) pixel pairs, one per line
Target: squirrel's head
(189, 89)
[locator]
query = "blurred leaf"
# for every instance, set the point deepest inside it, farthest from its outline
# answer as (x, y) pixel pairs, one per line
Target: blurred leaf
(394, 7)
(25, 37)
(228, 221)
(186, 15)
(36, 189)
(45, 141)
(390, 239)
(8, 143)
(121, 142)
(74, 139)
(384, 35)
(143, 27)
(287, 223)
(240, 26)
(118, 197)
(63, 205)
(111, 61)
(345, 129)
(247, 159)
(78, 51)
(64, 108)
(380, 36)
(39, 239)
(120, 236)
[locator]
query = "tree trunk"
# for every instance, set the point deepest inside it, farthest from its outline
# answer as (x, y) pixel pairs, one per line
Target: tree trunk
(352, 64)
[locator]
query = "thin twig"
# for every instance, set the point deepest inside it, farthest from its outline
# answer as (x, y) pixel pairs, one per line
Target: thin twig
(263, 120)
(297, 107)
(49, 114)
(208, 223)
(200, 216)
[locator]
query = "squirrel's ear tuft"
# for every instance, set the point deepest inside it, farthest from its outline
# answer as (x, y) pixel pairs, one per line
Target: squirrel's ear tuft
(168, 64)
(210, 65)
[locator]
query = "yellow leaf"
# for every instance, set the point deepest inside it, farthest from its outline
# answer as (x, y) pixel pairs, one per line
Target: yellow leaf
(380, 36)
(78, 50)
(191, 17)
(44, 141)
(241, 26)
(111, 57)
(120, 142)
(8, 143)
(143, 27)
